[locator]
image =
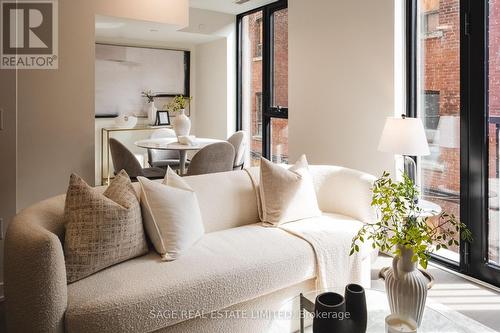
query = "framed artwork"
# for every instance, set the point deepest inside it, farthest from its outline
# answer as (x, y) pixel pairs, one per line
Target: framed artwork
(162, 118)
(123, 72)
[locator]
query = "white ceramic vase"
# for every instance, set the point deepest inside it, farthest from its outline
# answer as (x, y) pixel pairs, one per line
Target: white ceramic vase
(406, 286)
(152, 114)
(182, 124)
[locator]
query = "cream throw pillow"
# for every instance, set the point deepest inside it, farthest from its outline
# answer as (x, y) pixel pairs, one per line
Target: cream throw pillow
(102, 229)
(172, 216)
(286, 195)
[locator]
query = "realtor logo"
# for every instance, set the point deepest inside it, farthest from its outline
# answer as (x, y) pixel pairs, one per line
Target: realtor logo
(29, 34)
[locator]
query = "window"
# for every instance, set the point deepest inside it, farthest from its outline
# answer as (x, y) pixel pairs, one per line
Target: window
(431, 106)
(262, 85)
(258, 115)
(258, 37)
(437, 96)
(430, 17)
(430, 22)
(453, 85)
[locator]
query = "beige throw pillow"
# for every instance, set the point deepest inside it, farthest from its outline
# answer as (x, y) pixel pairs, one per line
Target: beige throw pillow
(102, 229)
(286, 195)
(172, 216)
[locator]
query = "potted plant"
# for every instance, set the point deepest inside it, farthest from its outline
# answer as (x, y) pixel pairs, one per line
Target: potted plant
(181, 123)
(403, 229)
(150, 99)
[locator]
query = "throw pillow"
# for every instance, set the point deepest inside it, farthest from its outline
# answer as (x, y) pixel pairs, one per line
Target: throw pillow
(102, 229)
(172, 216)
(286, 195)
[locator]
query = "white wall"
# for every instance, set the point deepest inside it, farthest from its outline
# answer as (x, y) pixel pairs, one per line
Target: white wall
(215, 99)
(56, 107)
(54, 118)
(341, 81)
(211, 90)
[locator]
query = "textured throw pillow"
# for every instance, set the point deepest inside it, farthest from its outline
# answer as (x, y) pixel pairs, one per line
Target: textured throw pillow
(286, 195)
(172, 216)
(102, 229)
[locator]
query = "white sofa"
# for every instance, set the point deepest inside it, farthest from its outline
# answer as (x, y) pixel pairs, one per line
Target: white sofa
(237, 265)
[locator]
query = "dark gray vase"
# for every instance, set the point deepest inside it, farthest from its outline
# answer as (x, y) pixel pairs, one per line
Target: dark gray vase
(334, 313)
(329, 314)
(355, 301)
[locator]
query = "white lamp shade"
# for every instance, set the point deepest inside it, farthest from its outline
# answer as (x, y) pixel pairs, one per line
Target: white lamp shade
(404, 137)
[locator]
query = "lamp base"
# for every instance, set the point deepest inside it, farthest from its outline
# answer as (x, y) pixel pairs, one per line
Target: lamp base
(410, 168)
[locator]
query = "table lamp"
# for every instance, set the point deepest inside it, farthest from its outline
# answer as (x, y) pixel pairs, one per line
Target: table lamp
(405, 136)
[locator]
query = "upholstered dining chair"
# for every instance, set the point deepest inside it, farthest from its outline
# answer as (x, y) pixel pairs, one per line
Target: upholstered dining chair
(238, 140)
(217, 157)
(124, 159)
(163, 158)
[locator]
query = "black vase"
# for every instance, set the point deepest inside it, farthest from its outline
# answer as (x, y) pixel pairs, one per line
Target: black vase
(355, 301)
(329, 314)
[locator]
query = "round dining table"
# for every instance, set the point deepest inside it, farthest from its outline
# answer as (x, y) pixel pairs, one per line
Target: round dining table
(173, 144)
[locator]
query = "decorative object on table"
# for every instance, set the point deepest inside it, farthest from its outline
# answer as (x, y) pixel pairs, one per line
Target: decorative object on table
(405, 136)
(355, 300)
(181, 123)
(402, 228)
(162, 118)
(150, 98)
(125, 121)
(398, 324)
(336, 313)
(329, 312)
(187, 140)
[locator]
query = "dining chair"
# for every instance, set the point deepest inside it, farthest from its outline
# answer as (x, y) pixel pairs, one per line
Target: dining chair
(238, 140)
(163, 158)
(124, 159)
(217, 157)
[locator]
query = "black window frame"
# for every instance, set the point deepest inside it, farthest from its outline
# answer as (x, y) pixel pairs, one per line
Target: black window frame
(269, 110)
(473, 128)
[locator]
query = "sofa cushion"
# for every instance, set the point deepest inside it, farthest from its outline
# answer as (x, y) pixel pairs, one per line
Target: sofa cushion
(222, 269)
(101, 229)
(171, 215)
(227, 199)
(286, 195)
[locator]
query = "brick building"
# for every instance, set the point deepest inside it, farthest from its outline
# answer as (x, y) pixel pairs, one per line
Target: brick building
(279, 127)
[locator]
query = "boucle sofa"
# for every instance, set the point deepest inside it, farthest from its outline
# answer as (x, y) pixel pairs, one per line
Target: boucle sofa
(238, 265)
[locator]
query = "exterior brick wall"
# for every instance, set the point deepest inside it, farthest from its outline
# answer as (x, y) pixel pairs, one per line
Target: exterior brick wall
(279, 129)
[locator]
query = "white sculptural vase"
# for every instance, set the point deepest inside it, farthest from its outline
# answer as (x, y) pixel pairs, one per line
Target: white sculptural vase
(182, 124)
(152, 114)
(406, 286)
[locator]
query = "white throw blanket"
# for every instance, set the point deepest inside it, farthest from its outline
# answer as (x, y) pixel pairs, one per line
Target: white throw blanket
(330, 236)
